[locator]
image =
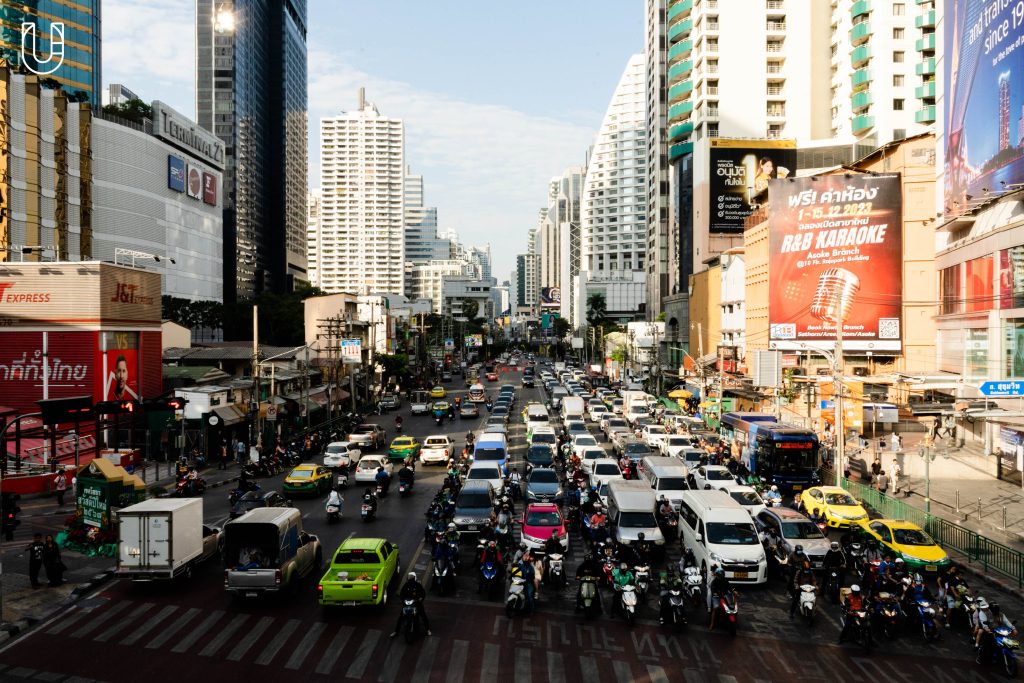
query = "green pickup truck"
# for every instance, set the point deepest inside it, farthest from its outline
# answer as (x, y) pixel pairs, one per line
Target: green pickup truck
(361, 572)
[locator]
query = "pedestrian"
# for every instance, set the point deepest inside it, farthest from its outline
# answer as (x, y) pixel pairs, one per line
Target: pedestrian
(223, 462)
(60, 485)
(882, 482)
(35, 558)
(52, 562)
(240, 451)
(895, 483)
(936, 428)
(897, 443)
(876, 469)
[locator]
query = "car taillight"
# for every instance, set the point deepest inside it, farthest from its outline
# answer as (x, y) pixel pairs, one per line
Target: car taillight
(225, 578)
(320, 590)
(277, 576)
(374, 592)
(446, 452)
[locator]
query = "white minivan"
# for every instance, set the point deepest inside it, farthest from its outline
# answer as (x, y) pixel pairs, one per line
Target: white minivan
(667, 476)
(720, 532)
(631, 512)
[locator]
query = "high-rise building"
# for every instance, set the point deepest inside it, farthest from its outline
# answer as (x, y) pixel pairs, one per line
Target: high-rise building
(558, 237)
(1004, 111)
(422, 244)
(363, 220)
(74, 62)
(251, 92)
(613, 218)
(117, 94)
(656, 54)
(313, 246)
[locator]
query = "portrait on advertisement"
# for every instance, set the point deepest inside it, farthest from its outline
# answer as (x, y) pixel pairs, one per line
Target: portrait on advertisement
(120, 364)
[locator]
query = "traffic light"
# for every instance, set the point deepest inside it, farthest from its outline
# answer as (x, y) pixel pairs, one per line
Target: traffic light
(115, 407)
(9, 510)
(165, 403)
(62, 410)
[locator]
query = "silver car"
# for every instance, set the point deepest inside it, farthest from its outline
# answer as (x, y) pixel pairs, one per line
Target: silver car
(793, 529)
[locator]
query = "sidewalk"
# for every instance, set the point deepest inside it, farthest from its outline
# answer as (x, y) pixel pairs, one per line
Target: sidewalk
(24, 606)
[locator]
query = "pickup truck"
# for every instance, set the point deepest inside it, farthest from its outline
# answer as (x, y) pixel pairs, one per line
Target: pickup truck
(361, 573)
(266, 551)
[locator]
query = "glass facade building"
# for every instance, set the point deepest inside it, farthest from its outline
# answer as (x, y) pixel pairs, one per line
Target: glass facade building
(79, 69)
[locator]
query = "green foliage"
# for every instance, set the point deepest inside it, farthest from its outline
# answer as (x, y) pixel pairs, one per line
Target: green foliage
(661, 317)
(281, 318)
(597, 309)
(561, 328)
(193, 314)
(470, 308)
(134, 110)
(396, 366)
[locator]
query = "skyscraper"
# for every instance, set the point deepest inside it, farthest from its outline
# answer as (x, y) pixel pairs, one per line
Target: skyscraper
(363, 220)
(655, 48)
(422, 244)
(1004, 111)
(76, 64)
(558, 237)
(251, 92)
(313, 236)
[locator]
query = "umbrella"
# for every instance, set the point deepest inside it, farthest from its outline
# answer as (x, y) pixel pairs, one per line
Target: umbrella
(680, 393)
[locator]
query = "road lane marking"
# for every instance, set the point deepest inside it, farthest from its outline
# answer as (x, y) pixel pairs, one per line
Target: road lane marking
(724, 678)
(102, 619)
(556, 667)
(490, 665)
(121, 623)
(157, 618)
(588, 668)
(523, 661)
(275, 645)
(250, 639)
(333, 651)
(221, 638)
(362, 658)
(457, 660)
(623, 674)
(425, 662)
(61, 625)
(173, 629)
(305, 645)
(392, 660)
(204, 626)
(656, 674)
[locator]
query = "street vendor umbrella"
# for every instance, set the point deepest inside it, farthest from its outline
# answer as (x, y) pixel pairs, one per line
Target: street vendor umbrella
(680, 393)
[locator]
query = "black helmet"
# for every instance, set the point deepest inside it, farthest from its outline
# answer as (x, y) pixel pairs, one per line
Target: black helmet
(798, 549)
(640, 536)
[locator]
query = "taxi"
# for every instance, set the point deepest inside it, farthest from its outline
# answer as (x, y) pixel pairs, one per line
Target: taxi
(404, 447)
(438, 392)
(835, 504)
(314, 480)
(908, 541)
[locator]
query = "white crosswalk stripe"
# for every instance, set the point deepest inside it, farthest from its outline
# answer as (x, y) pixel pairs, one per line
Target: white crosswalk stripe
(239, 650)
(330, 656)
(275, 645)
(304, 647)
(158, 618)
(217, 642)
(173, 629)
(363, 655)
(425, 662)
(193, 637)
(457, 660)
(490, 665)
(121, 623)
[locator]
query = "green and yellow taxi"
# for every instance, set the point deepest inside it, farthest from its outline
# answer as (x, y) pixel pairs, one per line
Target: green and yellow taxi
(438, 392)
(835, 504)
(908, 541)
(313, 480)
(404, 447)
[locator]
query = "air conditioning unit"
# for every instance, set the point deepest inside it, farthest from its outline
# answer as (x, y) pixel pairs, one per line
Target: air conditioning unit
(824, 372)
(860, 372)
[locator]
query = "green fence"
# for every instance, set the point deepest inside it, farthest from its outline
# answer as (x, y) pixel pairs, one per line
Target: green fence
(977, 548)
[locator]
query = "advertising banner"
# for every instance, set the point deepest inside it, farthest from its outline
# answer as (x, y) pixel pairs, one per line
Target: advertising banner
(209, 189)
(175, 173)
(984, 69)
(118, 361)
(836, 252)
(474, 341)
(449, 344)
(739, 173)
(194, 181)
(351, 351)
(550, 297)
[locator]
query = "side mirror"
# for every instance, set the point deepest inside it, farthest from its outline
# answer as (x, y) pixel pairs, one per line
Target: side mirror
(698, 538)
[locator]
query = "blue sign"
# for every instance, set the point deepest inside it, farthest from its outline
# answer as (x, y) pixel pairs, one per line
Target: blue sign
(827, 405)
(176, 173)
(1007, 388)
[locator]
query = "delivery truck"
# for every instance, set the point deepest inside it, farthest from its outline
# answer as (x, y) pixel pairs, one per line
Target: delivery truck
(163, 538)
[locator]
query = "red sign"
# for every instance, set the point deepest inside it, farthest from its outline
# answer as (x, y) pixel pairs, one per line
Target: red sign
(209, 189)
(119, 374)
(794, 444)
(195, 182)
(27, 374)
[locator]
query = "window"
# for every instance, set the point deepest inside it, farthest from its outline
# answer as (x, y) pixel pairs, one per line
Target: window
(897, 33)
(897, 57)
(976, 353)
(949, 287)
(979, 285)
(898, 9)
(898, 80)
(897, 105)
(1014, 332)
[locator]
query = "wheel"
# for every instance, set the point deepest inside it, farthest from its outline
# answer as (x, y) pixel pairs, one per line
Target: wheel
(732, 628)
(384, 598)
(509, 611)
(410, 633)
(630, 616)
(1010, 665)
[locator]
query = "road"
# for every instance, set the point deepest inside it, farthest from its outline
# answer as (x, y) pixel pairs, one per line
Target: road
(195, 631)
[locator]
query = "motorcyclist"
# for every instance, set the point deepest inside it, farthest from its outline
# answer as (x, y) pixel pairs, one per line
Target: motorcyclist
(835, 559)
(398, 423)
(528, 572)
(986, 619)
(370, 498)
(451, 534)
(642, 549)
(598, 517)
(589, 568)
(718, 587)
(671, 582)
(600, 534)
(915, 592)
(772, 496)
(794, 562)
(334, 498)
(553, 544)
(948, 582)
(801, 576)
(470, 443)
(383, 479)
(492, 553)
(413, 590)
(515, 483)
(406, 475)
(621, 576)
(519, 554)
(854, 602)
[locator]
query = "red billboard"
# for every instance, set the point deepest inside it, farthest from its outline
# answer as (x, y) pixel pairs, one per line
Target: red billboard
(836, 254)
(209, 189)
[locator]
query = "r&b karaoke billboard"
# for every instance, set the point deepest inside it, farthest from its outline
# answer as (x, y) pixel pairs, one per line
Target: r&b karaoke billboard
(984, 86)
(836, 253)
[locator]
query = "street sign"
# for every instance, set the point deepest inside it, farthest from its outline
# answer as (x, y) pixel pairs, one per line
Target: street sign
(271, 412)
(1007, 388)
(351, 351)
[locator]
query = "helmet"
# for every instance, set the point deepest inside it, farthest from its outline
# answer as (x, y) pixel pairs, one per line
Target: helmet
(899, 560)
(623, 565)
(994, 606)
(775, 489)
(798, 549)
(981, 603)
(918, 578)
(719, 571)
(640, 536)
(451, 526)
(522, 546)
(855, 589)
(834, 545)
(412, 576)
(491, 544)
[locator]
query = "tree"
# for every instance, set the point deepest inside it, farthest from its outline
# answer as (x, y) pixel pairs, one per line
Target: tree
(395, 366)
(597, 309)
(470, 308)
(561, 328)
(134, 110)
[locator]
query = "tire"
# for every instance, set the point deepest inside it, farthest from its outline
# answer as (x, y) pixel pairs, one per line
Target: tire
(731, 627)
(630, 616)
(384, 598)
(410, 633)
(1010, 665)
(509, 612)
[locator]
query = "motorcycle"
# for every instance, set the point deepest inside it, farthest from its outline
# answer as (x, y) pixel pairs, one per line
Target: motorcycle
(411, 618)
(381, 490)
(190, 487)
(886, 614)
(861, 627)
(672, 599)
(808, 599)
(1002, 647)
(627, 601)
(926, 617)
(488, 579)
(832, 584)
(444, 576)
(725, 604)
(404, 488)
(589, 597)
(515, 603)
(367, 512)
(333, 512)
(554, 574)
(236, 494)
(694, 585)
(643, 581)
(342, 479)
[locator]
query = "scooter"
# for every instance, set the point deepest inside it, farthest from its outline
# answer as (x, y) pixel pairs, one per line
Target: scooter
(367, 512)
(488, 579)
(808, 600)
(333, 512)
(887, 614)
(404, 488)
(628, 601)
(726, 606)
(589, 597)
(411, 617)
(1003, 648)
(643, 581)
(694, 585)
(860, 627)
(515, 603)
(555, 574)
(673, 600)
(444, 576)
(926, 617)
(832, 586)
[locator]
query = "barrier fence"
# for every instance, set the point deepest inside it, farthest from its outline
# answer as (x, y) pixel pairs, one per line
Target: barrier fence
(977, 548)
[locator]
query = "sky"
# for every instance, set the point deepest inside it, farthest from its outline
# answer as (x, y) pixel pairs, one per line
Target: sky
(497, 98)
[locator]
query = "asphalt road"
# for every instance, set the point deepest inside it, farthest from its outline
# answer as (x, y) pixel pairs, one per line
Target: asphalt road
(195, 631)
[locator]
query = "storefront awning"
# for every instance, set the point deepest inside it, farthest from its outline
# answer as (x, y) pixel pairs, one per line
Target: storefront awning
(229, 414)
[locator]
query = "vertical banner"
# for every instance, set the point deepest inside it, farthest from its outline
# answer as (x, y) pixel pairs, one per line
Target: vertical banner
(836, 252)
(119, 363)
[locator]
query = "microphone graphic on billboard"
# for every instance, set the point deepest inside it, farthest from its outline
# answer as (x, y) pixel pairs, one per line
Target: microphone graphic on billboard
(833, 298)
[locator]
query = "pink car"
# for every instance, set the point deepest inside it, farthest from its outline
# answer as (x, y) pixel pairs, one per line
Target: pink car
(540, 521)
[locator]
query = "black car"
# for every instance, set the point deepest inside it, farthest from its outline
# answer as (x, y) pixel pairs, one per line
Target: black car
(258, 499)
(540, 455)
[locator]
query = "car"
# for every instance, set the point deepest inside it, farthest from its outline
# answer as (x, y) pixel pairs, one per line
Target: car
(839, 508)
(309, 479)
(540, 455)
(442, 406)
(675, 445)
(258, 499)
(474, 505)
(489, 472)
(635, 449)
(497, 421)
(361, 573)
(748, 498)
(604, 470)
(908, 541)
(793, 529)
(540, 521)
(366, 468)
(419, 404)
(544, 437)
(368, 436)
(341, 454)
(611, 423)
(596, 411)
(509, 389)
(500, 411)
(655, 436)
(528, 381)
(692, 457)
(403, 448)
(436, 449)
(468, 409)
(589, 455)
(446, 376)
(712, 477)
(491, 376)
(542, 486)
(581, 441)
(390, 401)
(574, 427)
(438, 392)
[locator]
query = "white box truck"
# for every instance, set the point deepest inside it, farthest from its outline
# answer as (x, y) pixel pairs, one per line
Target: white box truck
(163, 538)
(572, 408)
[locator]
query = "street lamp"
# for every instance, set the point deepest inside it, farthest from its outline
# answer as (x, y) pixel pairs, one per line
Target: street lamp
(77, 438)
(837, 378)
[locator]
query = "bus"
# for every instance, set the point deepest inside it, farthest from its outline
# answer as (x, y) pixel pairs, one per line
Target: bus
(476, 393)
(783, 455)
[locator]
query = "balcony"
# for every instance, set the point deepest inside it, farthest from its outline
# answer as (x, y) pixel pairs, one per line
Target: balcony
(775, 4)
(680, 130)
(680, 112)
(925, 114)
(680, 91)
(860, 56)
(926, 20)
(925, 43)
(775, 112)
(775, 27)
(926, 91)
(926, 67)
(862, 123)
(860, 33)
(679, 9)
(861, 100)
(680, 70)
(679, 149)
(680, 29)
(860, 77)
(860, 8)
(681, 49)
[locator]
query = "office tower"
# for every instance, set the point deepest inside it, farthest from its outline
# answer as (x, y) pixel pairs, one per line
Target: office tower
(251, 92)
(73, 59)
(558, 238)
(613, 222)
(117, 94)
(655, 52)
(1004, 111)
(313, 201)
(363, 220)
(422, 244)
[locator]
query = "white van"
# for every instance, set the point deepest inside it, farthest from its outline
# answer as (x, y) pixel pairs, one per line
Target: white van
(631, 512)
(572, 408)
(667, 476)
(536, 414)
(720, 532)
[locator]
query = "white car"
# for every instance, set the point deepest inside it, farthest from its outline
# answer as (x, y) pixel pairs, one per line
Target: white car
(366, 469)
(541, 434)
(610, 423)
(436, 449)
(675, 445)
(604, 470)
(489, 472)
(748, 498)
(713, 477)
(581, 441)
(589, 455)
(596, 410)
(655, 436)
(341, 454)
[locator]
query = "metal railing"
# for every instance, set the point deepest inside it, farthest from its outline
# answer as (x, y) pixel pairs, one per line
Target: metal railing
(977, 548)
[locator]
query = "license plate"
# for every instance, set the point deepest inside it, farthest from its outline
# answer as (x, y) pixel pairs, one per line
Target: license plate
(471, 527)
(931, 568)
(350, 603)
(797, 487)
(739, 575)
(250, 595)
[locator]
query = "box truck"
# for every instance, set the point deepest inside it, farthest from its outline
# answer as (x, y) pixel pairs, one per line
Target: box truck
(163, 538)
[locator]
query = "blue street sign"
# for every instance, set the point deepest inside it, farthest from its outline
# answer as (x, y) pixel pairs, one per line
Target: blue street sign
(825, 405)
(1007, 388)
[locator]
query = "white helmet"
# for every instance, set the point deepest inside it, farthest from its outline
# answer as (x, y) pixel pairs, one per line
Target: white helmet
(412, 576)
(775, 489)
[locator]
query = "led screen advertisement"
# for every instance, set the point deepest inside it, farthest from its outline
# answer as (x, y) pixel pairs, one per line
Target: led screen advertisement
(740, 171)
(984, 87)
(550, 297)
(836, 252)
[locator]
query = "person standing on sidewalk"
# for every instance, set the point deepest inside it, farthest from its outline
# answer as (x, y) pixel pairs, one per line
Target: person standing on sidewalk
(60, 485)
(240, 452)
(35, 559)
(876, 469)
(897, 443)
(54, 565)
(882, 481)
(895, 482)
(222, 463)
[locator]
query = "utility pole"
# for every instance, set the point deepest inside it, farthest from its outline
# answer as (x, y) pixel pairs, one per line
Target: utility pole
(305, 385)
(254, 403)
(721, 384)
(837, 372)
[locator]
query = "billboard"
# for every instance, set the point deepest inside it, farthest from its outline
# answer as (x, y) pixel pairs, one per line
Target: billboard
(739, 174)
(175, 173)
(984, 126)
(474, 341)
(209, 189)
(194, 181)
(836, 252)
(119, 366)
(550, 297)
